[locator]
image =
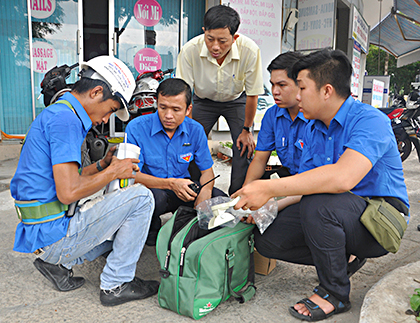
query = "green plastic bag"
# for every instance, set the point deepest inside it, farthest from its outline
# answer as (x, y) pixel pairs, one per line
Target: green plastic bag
(202, 268)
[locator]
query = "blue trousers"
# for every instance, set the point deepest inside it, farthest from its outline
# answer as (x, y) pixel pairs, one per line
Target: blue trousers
(118, 221)
(322, 230)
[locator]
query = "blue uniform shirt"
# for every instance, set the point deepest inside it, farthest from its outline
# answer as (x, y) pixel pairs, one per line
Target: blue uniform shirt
(169, 158)
(363, 128)
(278, 132)
(55, 137)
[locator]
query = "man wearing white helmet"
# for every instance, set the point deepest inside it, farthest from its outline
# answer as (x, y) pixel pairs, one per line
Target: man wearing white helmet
(49, 178)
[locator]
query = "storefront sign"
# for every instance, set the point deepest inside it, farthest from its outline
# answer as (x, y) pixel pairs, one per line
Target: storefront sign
(42, 9)
(377, 93)
(260, 21)
(315, 28)
(147, 12)
(355, 77)
(147, 60)
(360, 30)
(44, 57)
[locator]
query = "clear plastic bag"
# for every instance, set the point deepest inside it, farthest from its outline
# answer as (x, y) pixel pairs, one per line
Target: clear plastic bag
(205, 213)
(263, 217)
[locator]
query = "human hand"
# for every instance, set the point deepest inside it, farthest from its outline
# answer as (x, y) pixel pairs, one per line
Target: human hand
(248, 219)
(123, 168)
(244, 141)
(253, 196)
(108, 157)
(180, 187)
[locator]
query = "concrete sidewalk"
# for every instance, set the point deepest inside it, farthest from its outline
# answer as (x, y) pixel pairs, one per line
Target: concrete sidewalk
(381, 290)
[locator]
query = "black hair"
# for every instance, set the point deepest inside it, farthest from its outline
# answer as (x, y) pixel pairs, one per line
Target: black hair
(285, 62)
(327, 66)
(173, 87)
(85, 84)
(222, 16)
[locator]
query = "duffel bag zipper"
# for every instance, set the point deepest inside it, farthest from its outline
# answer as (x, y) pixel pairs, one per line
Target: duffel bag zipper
(182, 258)
(164, 273)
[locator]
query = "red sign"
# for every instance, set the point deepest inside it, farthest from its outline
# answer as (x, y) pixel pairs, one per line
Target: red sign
(147, 60)
(147, 12)
(44, 57)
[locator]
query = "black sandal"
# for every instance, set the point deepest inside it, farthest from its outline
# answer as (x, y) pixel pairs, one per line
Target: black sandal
(317, 314)
(354, 266)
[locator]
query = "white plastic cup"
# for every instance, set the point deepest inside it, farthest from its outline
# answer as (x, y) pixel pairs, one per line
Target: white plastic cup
(124, 150)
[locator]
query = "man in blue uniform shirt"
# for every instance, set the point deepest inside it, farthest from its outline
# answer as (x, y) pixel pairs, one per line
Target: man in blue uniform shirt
(283, 124)
(49, 178)
(343, 152)
(168, 142)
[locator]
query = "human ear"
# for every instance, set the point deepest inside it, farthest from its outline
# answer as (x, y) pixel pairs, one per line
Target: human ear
(97, 90)
(189, 109)
(328, 90)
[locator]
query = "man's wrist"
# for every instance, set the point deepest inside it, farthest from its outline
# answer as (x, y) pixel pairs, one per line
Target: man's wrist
(247, 128)
(98, 166)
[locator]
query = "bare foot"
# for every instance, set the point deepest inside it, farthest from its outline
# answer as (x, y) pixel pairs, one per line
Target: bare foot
(326, 306)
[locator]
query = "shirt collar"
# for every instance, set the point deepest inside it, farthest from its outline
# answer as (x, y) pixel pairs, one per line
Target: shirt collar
(342, 113)
(340, 116)
(157, 126)
(282, 112)
(80, 111)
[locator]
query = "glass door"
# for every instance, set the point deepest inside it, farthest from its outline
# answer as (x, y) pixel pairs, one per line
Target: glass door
(145, 37)
(54, 40)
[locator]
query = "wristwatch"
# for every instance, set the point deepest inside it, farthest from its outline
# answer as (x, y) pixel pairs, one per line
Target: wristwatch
(247, 129)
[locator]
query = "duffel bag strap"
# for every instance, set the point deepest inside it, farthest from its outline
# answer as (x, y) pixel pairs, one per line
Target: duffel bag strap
(248, 290)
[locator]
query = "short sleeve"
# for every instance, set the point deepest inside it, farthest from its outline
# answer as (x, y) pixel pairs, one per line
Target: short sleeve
(266, 135)
(64, 130)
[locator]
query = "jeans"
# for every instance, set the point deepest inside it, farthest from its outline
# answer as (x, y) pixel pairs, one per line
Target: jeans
(123, 215)
(207, 112)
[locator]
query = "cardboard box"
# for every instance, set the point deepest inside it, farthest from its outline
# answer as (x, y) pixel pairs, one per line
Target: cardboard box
(263, 265)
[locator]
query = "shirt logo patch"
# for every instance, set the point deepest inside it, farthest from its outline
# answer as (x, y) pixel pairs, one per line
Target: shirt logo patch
(300, 142)
(186, 157)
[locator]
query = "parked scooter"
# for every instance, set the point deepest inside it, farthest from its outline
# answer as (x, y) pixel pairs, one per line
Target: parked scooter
(406, 127)
(53, 86)
(144, 100)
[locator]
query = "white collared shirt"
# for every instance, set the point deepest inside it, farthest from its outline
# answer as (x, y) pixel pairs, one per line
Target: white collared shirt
(240, 71)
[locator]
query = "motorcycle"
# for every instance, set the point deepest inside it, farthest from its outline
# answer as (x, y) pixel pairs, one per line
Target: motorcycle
(53, 85)
(406, 127)
(144, 100)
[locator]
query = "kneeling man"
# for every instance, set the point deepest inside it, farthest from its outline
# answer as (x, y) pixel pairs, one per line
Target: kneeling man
(169, 142)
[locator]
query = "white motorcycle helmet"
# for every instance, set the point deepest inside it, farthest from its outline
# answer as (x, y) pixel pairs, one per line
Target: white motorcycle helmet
(116, 75)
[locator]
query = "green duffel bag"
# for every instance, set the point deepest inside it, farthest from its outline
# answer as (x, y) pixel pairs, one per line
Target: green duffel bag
(202, 268)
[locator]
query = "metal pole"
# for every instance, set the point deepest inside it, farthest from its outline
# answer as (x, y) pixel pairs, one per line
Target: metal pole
(379, 34)
(31, 59)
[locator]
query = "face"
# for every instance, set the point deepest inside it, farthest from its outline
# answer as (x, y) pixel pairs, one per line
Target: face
(310, 98)
(172, 111)
(99, 111)
(284, 89)
(219, 42)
